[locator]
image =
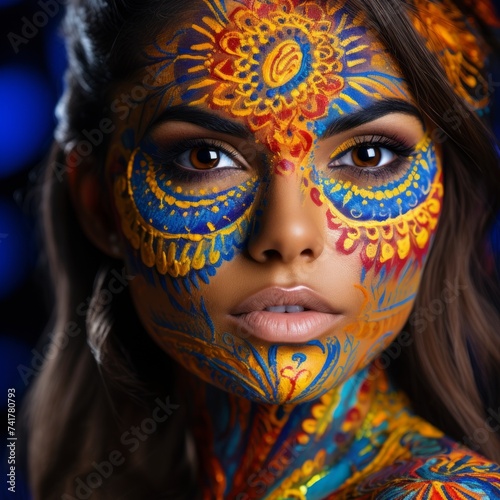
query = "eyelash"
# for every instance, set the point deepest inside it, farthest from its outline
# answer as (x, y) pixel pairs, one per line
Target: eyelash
(169, 156)
(397, 145)
(401, 148)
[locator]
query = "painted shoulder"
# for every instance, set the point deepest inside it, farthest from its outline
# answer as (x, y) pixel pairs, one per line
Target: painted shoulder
(432, 468)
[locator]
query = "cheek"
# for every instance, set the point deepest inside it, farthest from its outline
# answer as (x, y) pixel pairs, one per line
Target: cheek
(180, 231)
(389, 231)
(391, 225)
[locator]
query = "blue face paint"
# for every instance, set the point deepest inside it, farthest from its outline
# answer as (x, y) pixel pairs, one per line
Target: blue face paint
(409, 185)
(281, 77)
(178, 230)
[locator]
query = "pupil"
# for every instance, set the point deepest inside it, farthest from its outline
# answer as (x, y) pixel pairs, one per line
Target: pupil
(367, 156)
(204, 158)
(206, 155)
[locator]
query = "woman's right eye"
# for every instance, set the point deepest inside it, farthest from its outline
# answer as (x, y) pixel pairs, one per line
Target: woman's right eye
(206, 157)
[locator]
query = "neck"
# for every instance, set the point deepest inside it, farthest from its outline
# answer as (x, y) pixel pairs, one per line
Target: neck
(265, 449)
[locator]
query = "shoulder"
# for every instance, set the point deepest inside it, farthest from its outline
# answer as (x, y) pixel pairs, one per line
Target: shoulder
(453, 472)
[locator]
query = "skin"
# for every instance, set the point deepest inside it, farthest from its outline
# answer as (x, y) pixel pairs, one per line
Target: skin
(288, 206)
(281, 214)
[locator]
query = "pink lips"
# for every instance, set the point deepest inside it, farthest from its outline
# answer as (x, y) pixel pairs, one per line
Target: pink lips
(277, 327)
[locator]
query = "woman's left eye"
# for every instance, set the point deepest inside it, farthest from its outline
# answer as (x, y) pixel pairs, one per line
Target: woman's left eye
(205, 158)
(365, 156)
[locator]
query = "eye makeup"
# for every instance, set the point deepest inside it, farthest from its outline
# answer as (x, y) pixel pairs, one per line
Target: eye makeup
(392, 221)
(381, 192)
(182, 229)
(400, 150)
(169, 158)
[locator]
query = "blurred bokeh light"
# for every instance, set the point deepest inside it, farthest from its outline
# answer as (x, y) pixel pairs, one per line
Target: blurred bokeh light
(27, 103)
(16, 247)
(31, 76)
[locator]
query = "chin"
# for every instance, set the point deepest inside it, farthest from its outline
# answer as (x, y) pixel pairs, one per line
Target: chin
(290, 386)
(272, 374)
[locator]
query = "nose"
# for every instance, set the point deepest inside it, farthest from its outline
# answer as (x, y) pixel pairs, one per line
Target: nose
(287, 224)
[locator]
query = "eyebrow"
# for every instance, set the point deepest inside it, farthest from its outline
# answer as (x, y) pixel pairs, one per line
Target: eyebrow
(372, 112)
(211, 121)
(204, 119)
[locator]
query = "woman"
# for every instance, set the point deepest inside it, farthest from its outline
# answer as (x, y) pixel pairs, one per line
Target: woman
(249, 202)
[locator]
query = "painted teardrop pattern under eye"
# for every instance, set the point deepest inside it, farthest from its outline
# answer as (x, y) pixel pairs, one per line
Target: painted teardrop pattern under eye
(181, 229)
(390, 200)
(172, 208)
(399, 225)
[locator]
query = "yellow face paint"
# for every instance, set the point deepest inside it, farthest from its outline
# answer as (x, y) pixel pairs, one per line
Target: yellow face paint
(454, 40)
(191, 199)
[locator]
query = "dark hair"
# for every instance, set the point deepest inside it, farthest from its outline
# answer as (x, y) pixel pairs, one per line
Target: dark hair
(94, 385)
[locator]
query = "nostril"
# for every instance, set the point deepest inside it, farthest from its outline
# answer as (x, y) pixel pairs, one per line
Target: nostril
(271, 254)
(285, 236)
(307, 252)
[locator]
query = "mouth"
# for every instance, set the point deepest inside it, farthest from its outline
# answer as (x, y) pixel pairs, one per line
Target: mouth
(284, 300)
(286, 309)
(280, 315)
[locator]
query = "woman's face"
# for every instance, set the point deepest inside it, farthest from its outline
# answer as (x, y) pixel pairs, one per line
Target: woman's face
(273, 148)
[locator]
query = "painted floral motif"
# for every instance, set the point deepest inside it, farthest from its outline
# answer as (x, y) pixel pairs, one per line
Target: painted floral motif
(275, 67)
(280, 66)
(454, 473)
(455, 41)
(387, 452)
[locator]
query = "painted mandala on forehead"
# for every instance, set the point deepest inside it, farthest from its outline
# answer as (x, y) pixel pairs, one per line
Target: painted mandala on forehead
(279, 66)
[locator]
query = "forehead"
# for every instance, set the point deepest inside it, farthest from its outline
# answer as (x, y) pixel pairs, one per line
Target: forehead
(282, 68)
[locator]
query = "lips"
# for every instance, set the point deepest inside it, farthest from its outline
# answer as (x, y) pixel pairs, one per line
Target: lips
(280, 315)
(275, 296)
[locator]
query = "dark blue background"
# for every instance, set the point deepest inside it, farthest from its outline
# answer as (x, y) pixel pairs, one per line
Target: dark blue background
(31, 81)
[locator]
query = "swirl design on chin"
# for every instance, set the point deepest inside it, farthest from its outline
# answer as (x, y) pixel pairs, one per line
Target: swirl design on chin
(284, 374)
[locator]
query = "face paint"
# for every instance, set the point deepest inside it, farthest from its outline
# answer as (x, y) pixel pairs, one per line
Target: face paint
(180, 231)
(392, 221)
(286, 73)
(191, 207)
(454, 40)
(279, 67)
